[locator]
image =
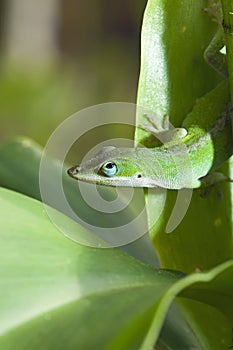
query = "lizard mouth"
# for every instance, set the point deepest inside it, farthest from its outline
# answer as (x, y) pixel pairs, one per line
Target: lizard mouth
(73, 171)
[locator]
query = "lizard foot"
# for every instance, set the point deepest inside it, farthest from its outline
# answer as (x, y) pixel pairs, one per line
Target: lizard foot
(164, 131)
(215, 11)
(212, 181)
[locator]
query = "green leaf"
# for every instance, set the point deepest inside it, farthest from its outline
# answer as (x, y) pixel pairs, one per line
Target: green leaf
(19, 170)
(74, 295)
(171, 336)
(227, 7)
(173, 74)
(214, 288)
(212, 329)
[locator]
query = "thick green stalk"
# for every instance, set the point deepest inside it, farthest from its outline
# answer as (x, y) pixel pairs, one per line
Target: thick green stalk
(227, 7)
(173, 75)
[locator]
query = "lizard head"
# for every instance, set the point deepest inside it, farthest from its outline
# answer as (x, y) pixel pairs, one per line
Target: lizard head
(113, 167)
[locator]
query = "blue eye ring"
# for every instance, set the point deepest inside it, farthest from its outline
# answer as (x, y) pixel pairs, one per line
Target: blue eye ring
(109, 169)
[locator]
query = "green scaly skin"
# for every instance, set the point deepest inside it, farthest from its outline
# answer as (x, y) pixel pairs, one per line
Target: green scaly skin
(183, 161)
(177, 164)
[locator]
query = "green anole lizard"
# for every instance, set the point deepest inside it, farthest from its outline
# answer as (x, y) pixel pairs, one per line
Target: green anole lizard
(188, 154)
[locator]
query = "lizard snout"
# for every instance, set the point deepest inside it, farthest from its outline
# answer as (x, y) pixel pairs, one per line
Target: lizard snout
(73, 171)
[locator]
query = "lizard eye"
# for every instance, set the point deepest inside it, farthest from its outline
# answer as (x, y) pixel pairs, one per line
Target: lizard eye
(109, 169)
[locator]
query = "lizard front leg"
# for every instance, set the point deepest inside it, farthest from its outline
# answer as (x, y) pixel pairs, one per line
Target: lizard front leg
(213, 54)
(165, 132)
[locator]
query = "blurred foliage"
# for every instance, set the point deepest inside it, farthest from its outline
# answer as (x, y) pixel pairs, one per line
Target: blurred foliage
(98, 62)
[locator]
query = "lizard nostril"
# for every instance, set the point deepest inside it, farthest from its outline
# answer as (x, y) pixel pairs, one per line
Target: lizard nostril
(73, 170)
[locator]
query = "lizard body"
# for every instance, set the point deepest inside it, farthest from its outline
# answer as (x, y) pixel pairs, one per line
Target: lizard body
(179, 163)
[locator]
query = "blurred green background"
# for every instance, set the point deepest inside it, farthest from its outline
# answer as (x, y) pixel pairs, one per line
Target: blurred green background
(59, 56)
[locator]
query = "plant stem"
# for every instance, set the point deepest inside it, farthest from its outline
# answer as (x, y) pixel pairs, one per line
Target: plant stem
(227, 8)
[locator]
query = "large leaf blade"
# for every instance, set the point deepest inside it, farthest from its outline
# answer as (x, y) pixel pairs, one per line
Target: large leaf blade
(55, 287)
